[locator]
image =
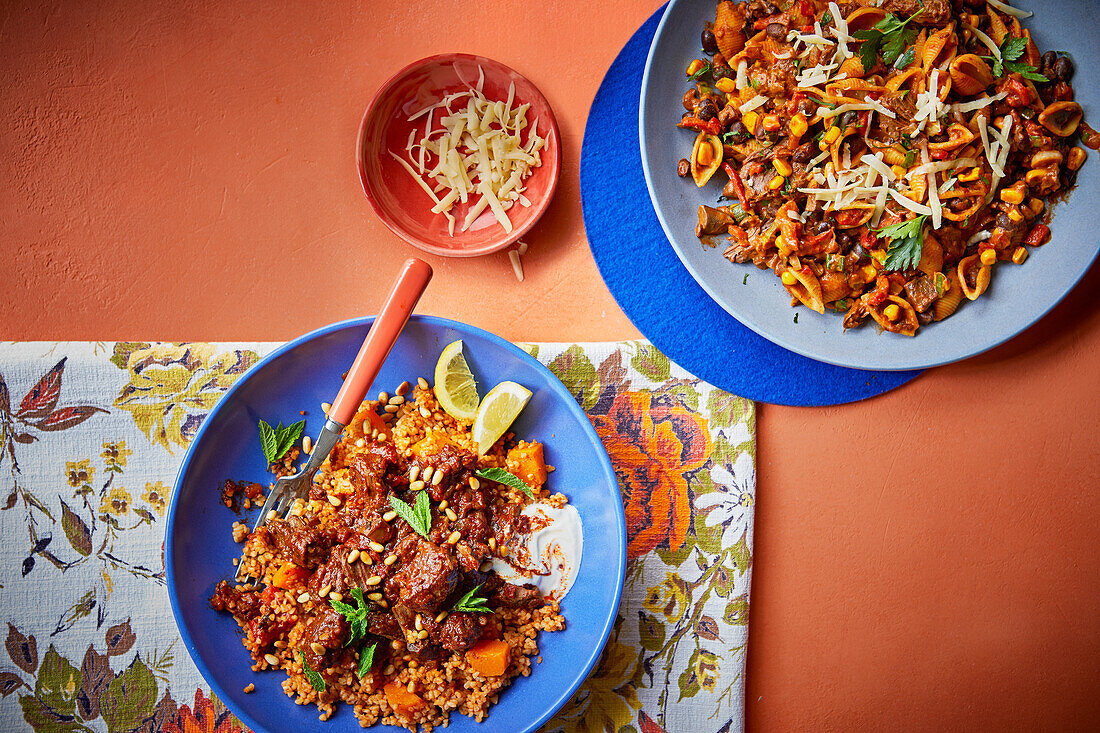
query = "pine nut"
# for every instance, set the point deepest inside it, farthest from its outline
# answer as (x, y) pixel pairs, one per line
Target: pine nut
(416, 485)
(474, 483)
(383, 437)
(437, 477)
(390, 560)
(326, 407)
(383, 397)
(307, 444)
(374, 596)
(422, 634)
(353, 556)
(414, 473)
(455, 537)
(271, 659)
(419, 623)
(443, 504)
(304, 598)
(402, 389)
(336, 596)
(366, 559)
(425, 413)
(334, 500)
(377, 547)
(442, 615)
(390, 408)
(374, 580)
(422, 383)
(389, 516)
(317, 648)
(359, 442)
(492, 543)
(383, 604)
(451, 514)
(325, 591)
(386, 416)
(397, 400)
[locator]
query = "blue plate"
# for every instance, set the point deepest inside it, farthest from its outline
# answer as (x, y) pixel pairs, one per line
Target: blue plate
(1017, 297)
(199, 548)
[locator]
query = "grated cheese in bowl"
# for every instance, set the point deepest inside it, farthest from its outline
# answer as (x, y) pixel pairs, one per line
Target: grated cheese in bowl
(474, 151)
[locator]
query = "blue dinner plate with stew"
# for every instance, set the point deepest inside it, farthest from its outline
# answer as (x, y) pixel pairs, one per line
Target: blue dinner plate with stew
(299, 376)
(1018, 295)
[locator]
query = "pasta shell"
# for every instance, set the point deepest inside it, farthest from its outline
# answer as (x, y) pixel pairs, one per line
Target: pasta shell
(706, 158)
(904, 80)
(864, 19)
(958, 136)
(807, 289)
(729, 20)
(973, 276)
(1061, 118)
(906, 323)
(948, 303)
(997, 28)
(834, 286)
(939, 48)
(931, 255)
(970, 74)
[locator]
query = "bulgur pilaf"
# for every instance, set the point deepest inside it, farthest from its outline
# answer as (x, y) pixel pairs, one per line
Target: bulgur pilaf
(447, 632)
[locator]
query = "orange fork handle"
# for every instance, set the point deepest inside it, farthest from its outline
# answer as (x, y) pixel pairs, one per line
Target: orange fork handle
(399, 305)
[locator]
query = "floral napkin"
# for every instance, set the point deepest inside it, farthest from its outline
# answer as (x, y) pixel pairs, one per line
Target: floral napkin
(91, 437)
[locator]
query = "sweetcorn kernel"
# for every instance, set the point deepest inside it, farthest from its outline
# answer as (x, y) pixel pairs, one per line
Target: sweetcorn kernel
(788, 278)
(1019, 255)
(988, 256)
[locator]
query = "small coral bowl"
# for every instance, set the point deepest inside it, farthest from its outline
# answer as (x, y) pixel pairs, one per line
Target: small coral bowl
(400, 202)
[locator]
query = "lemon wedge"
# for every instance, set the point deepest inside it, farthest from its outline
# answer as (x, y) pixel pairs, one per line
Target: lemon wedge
(497, 412)
(454, 384)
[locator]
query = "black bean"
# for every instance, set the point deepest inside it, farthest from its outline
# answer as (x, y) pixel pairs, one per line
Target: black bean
(807, 107)
(706, 110)
(1063, 69)
(848, 118)
(778, 31)
(1048, 61)
(737, 129)
(710, 43)
(822, 226)
(804, 153)
(958, 204)
(1004, 221)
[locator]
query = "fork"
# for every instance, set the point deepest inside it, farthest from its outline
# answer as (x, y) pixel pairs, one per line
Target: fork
(399, 304)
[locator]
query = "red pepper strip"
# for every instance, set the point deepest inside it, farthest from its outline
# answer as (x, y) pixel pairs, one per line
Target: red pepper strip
(737, 186)
(867, 239)
(1038, 235)
(711, 126)
(940, 154)
(1018, 93)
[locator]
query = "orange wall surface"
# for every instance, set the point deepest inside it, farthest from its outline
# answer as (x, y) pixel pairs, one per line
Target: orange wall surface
(925, 560)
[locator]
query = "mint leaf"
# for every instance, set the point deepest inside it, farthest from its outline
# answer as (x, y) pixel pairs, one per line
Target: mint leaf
(419, 516)
(503, 477)
(906, 243)
(472, 603)
(288, 436)
(268, 441)
(312, 675)
(366, 658)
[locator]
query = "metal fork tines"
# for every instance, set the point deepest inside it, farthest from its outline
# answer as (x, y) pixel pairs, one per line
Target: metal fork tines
(289, 488)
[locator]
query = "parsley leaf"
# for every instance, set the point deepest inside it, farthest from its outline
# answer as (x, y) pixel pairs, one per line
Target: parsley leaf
(471, 603)
(889, 35)
(356, 615)
(1012, 48)
(366, 658)
(312, 675)
(703, 71)
(826, 18)
(419, 516)
(906, 243)
(503, 477)
(276, 441)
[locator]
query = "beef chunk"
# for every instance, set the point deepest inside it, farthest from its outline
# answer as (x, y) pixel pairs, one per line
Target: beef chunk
(516, 596)
(333, 574)
(456, 463)
(242, 603)
(921, 292)
(293, 539)
(384, 624)
(459, 631)
(932, 12)
(426, 579)
(328, 628)
(374, 461)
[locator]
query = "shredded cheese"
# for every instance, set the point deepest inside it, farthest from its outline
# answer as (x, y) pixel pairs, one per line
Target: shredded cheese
(978, 103)
(987, 41)
(825, 112)
(1006, 8)
(757, 101)
(477, 150)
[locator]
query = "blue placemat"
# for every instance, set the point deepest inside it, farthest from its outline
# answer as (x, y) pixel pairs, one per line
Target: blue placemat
(657, 293)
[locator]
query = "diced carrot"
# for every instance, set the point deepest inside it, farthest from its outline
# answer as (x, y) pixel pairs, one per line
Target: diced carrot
(288, 576)
(403, 702)
(530, 465)
(429, 445)
(490, 657)
(375, 421)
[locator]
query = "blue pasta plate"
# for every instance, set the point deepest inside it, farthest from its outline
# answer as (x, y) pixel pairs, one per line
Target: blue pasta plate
(1018, 295)
(299, 376)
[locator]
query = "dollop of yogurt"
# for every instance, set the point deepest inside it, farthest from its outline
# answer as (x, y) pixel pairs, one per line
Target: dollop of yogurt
(550, 556)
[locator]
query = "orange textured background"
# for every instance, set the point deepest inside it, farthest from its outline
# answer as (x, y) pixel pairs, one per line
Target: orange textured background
(926, 560)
